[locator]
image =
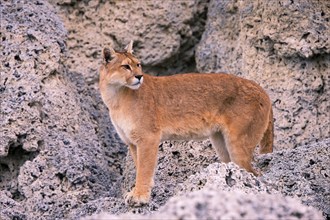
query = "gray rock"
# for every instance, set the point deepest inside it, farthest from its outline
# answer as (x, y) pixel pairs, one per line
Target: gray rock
(224, 177)
(214, 204)
(53, 157)
(165, 34)
(303, 172)
(10, 208)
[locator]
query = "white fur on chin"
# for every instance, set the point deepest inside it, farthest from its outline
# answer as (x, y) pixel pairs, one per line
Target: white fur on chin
(136, 85)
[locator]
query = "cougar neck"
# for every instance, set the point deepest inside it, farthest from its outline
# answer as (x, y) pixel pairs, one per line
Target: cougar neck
(112, 95)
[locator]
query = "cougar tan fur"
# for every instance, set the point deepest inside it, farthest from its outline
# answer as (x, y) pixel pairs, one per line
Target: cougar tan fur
(235, 113)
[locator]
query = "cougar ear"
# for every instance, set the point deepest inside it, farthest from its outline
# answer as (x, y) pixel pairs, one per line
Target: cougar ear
(108, 53)
(129, 47)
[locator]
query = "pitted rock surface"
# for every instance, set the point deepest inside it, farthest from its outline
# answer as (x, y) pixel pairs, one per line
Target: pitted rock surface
(165, 33)
(303, 172)
(224, 177)
(52, 157)
(215, 204)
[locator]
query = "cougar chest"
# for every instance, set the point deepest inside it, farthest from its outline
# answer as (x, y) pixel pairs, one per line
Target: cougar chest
(123, 124)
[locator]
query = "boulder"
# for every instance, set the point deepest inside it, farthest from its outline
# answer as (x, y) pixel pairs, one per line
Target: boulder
(54, 153)
(165, 34)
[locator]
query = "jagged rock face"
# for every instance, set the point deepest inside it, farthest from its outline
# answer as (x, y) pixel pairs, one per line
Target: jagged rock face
(282, 45)
(165, 34)
(52, 157)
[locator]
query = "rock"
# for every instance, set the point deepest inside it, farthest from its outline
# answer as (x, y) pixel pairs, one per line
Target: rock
(28, 55)
(164, 34)
(214, 204)
(303, 172)
(284, 46)
(54, 153)
(10, 208)
(224, 177)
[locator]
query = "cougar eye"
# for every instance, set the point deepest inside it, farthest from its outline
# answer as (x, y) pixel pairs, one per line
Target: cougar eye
(126, 67)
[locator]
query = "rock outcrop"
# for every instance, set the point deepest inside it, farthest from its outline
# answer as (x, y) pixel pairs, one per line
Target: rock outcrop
(53, 154)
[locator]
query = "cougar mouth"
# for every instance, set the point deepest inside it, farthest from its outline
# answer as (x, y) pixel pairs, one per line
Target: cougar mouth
(136, 85)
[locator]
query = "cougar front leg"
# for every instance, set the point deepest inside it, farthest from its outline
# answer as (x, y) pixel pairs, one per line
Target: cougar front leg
(133, 151)
(146, 162)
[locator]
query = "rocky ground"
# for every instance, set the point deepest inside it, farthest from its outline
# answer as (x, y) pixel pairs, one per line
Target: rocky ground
(60, 157)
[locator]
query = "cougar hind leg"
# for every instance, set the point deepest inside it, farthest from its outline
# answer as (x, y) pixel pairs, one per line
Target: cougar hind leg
(218, 142)
(241, 145)
(266, 144)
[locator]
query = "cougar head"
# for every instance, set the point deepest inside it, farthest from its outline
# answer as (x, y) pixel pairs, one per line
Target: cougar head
(121, 69)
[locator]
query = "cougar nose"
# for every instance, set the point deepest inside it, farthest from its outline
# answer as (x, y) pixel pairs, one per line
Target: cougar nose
(138, 77)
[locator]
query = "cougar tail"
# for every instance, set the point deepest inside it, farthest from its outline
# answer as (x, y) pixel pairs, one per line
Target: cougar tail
(266, 144)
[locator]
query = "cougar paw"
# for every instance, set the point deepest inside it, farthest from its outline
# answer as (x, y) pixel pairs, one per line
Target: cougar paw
(135, 199)
(256, 172)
